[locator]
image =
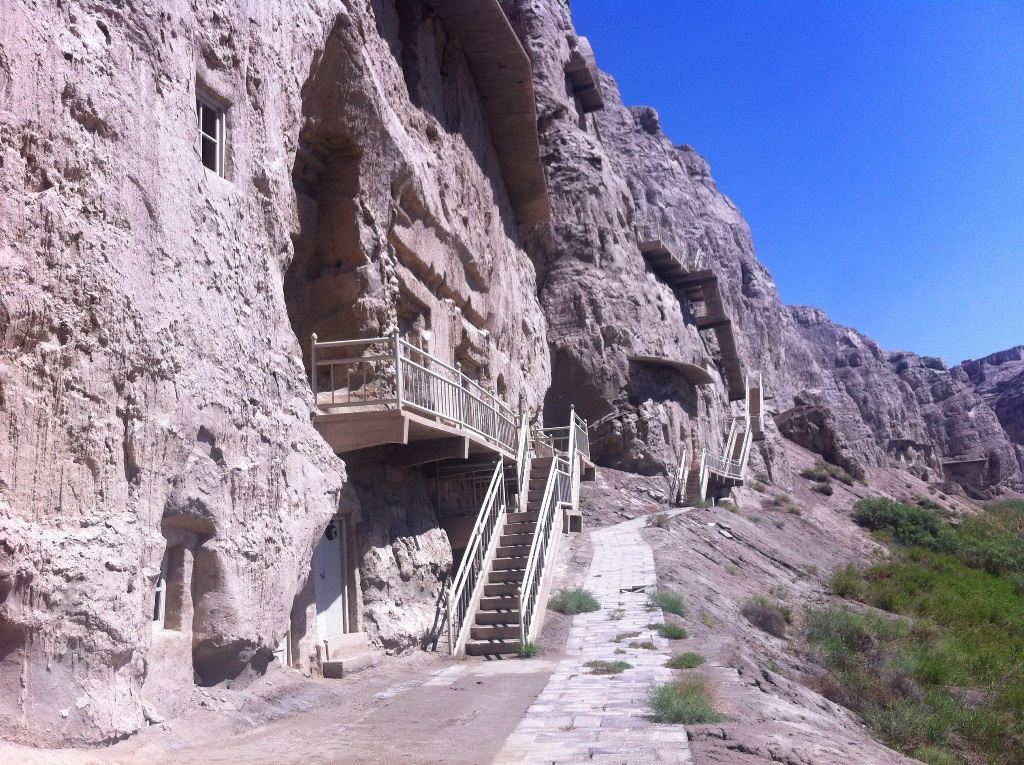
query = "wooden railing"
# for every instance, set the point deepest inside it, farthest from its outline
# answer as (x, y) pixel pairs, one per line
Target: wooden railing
(391, 372)
(462, 592)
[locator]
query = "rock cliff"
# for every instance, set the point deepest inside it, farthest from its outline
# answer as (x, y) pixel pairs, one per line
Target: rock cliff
(155, 324)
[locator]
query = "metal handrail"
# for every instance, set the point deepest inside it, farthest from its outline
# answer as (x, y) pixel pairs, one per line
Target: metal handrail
(396, 378)
(678, 487)
(463, 587)
(523, 454)
(558, 481)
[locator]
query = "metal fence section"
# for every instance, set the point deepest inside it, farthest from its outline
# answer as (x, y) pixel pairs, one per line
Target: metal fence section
(557, 491)
(391, 372)
(474, 560)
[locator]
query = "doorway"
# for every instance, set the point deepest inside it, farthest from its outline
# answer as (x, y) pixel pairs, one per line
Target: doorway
(330, 580)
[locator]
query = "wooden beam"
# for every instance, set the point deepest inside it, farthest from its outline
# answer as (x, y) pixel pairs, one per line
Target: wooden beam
(431, 450)
(349, 431)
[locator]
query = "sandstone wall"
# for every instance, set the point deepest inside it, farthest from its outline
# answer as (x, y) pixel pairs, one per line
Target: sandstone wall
(152, 386)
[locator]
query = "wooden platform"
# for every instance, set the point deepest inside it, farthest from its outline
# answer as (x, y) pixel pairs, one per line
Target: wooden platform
(418, 438)
(694, 373)
(700, 287)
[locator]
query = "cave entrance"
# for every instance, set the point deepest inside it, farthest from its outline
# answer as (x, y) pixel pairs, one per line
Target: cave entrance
(323, 282)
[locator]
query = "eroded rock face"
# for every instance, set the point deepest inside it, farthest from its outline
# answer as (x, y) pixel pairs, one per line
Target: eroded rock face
(814, 427)
(152, 384)
(616, 180)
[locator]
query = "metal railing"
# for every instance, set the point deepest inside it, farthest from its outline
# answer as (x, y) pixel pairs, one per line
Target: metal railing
(568, 439)
(557, 491)
(677, 489)
(391, 372)
(474, 560)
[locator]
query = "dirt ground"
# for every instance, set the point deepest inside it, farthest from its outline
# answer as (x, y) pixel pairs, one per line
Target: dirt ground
(417, 709)
(424, 708)
(718, 558)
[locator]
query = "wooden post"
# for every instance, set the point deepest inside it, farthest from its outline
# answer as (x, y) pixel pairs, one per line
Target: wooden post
(398, 367)
(312, 356)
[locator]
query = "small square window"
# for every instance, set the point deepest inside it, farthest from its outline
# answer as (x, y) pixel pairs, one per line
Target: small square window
(212, 134)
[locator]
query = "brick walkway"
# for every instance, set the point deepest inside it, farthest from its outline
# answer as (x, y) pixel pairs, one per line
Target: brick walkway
(580, 717)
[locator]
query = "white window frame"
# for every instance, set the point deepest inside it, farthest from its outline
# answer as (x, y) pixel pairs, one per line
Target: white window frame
(219, 138)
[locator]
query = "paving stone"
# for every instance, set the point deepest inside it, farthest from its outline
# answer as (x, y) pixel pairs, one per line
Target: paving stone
(608, 712)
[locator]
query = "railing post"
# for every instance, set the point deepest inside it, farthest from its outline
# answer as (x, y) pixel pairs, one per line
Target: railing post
(398, 367)
(312, 356)
(460, 386)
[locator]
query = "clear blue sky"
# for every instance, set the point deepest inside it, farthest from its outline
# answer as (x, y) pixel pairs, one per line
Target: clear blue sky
(875, 149)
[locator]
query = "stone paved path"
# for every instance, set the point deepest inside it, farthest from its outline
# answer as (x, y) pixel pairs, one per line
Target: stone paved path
(580, 717)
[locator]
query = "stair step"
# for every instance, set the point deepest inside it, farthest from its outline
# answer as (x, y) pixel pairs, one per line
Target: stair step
(494, 590)
(498, 617)
(527, 527)
(508, 564)
(339, 668)
(494, 648)
(504, 576)
(510, 632)
(499, 604)
(513, 540)
(513, 551)
(535, 495)
(522, 517)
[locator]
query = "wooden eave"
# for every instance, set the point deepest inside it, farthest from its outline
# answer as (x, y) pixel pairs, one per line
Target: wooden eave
(504, 80)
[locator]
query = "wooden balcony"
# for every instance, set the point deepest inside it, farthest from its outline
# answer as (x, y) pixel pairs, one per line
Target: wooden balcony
(386, 391)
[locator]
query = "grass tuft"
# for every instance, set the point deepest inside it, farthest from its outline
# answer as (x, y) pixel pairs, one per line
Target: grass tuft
(669, 601)
(574, 601)
(625, 636)
(659, 520)
(647, 644)
(528, 650)
(669, 631)
(685, 661)
(684, 702)
(601, 667)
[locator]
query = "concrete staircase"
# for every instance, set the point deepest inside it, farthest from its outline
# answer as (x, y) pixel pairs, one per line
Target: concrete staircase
(496, 626)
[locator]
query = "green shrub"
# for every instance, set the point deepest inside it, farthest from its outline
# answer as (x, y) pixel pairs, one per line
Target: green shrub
(601, 667)
(669, 631)
(684, 702)
(934, 755)
(907, 524)
(766, 616)
(847, 582)
(685, 661)
(823, 488)
(528, 650)
(732, 507)
(574, 601)
(823, 471)
(669, 601)
(646, 644)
